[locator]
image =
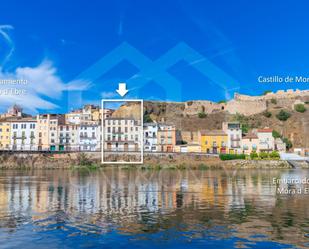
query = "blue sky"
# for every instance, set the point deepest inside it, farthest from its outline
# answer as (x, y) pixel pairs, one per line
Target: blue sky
(54, 44)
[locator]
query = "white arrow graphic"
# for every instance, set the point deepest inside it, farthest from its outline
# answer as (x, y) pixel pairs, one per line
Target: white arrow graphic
(122, 89)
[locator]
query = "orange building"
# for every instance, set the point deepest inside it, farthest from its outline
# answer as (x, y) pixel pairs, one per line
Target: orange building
(166, 137)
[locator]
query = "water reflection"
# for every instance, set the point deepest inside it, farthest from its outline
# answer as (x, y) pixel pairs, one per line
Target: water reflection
(126, 208)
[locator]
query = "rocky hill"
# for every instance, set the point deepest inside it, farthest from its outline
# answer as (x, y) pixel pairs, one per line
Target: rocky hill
(252, 112)
(128, 110)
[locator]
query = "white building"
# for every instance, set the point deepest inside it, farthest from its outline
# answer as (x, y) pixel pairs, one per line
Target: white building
(234, 133)
(89, 136)
(280, 145)
(73, 117)
(266, 140)
(122, 134)
(23, 134)
(150, 137)
(68, 137)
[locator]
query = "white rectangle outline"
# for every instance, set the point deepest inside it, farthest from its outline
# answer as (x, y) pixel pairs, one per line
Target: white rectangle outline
(141, 132)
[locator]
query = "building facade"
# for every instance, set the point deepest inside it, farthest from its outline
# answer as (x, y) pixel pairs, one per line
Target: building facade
(214, 141)
(166, 137)
(23, 134)
(5, 135)
(47, 137)
(280, 145)
(266, 140)
(250, 143)
(234, 133)
(89, 134)
(122, 134)
(68, 137)
(150, 137)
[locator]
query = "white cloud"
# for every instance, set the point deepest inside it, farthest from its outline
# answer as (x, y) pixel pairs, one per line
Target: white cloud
(42, 83)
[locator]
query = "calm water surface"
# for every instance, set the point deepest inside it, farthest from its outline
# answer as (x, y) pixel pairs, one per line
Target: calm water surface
(151, 209)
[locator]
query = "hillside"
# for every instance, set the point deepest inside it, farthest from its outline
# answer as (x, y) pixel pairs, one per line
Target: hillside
(187, 115)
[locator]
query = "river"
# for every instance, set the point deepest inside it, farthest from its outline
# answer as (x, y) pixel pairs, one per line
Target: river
(128, 208)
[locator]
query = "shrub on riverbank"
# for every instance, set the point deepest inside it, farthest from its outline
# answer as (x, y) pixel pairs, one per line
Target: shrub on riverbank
(254, 155)
(225, 157)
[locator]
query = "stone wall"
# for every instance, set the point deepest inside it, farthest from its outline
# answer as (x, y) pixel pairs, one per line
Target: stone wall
(245, 104)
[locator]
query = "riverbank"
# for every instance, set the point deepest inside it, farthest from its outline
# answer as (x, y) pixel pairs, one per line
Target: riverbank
(151, 161)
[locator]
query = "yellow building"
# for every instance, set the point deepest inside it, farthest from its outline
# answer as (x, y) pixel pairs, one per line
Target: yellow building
(190, 148)
(214, 141)
(5, 135)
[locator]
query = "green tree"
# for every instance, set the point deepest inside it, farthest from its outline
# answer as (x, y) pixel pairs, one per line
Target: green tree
(266, 92)
(300, 108)
(288, 143)
(273, 101)
(276, 134)
(147, 118)
(267, 114)
(245, 128)
(202, 115)
(283, 115)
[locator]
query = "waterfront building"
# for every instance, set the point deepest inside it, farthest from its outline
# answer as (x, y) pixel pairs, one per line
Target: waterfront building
(122, 134)
(89, 134)
(167, 137)
(68, 137)
(266, 140)
(188, 148)
(234, 133)
(23, 134)
(250, 143)
(5, 134)
(47, 137)
(302, 151)
(214, 141)
(280, 145)
(150, 137)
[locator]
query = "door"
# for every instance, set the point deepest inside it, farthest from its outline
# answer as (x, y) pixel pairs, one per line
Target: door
(109, 146)
(126, 147)
(136, 147)
(169, 148)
